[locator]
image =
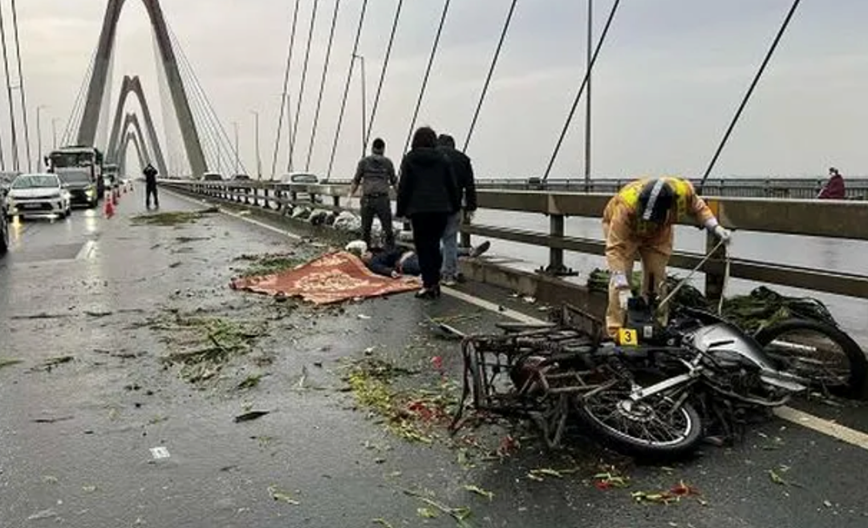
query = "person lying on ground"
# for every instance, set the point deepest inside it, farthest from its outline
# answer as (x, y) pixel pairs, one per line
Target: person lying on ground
(399, 261)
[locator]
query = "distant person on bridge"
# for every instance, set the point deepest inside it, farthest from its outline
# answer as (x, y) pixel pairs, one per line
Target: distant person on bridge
(463, 169)
(638, 221)
(428, 196)
(376, 175)
(834, 188)
(151, 187)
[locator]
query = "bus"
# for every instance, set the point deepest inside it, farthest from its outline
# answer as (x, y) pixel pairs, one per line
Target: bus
(79, 159)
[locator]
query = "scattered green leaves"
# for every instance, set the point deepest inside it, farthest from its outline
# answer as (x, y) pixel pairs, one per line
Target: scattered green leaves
(479, 491)
(171, 218)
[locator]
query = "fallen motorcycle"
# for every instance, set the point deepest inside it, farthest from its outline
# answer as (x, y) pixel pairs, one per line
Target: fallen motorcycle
(639, 396)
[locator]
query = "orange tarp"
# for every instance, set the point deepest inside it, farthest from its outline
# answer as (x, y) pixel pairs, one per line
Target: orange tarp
(332, 278)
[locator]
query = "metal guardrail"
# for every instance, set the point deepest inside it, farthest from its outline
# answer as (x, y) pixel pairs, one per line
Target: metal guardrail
(835, 219)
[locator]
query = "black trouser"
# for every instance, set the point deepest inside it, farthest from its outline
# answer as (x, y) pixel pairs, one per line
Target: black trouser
(379, 206)
(428, 229)
(151, 189)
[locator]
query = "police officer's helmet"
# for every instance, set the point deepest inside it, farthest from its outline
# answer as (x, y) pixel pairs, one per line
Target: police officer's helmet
(656, 199)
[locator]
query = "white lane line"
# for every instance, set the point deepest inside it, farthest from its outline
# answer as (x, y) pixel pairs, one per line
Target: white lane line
(840, 432)
(237, 216)
(845, 434)
(482, 303)
(86, 250)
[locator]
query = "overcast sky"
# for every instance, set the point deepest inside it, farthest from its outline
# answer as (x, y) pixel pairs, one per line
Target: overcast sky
(667, 82)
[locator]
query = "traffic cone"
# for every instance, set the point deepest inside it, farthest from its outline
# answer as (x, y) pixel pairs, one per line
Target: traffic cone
(109, 208)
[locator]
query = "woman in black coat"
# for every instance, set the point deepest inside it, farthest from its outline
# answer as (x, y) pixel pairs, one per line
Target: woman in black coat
(427, 195)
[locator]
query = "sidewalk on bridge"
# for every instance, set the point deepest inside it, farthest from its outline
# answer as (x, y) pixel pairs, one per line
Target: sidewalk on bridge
(95, 393)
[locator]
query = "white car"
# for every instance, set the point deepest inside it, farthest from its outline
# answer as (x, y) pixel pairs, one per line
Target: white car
(38, 194)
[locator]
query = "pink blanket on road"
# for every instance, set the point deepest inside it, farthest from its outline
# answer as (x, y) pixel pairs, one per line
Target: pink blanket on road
(332, 278)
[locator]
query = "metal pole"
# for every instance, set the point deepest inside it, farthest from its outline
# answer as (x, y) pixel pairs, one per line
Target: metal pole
(15, 164)
(258, 151)
(54, 133)
(39, 136)
(588, 100)
(364, 104)
(237, 159)
(21, 86)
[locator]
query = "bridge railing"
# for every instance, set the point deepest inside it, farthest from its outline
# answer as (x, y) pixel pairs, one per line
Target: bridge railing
(832, 219)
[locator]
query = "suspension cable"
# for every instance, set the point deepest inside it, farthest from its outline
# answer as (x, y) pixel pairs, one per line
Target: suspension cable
(347, 89)
(490, 74)
(77, 104)
(753, 84)
(581, 89)
(325, 72)
(303, 81)
(211, 142)
(12, 122)
(285, 93)
(427, 73)
(222, 135)
(22, 90)
(383, 73)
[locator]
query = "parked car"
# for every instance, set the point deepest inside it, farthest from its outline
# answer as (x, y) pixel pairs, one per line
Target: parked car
(4, 224)
(82, 191)
(302, 178)
(38, 194)
(212, 176)
(241, 177)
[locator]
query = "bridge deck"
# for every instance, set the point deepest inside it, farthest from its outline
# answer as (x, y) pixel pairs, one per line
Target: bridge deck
(76, 439)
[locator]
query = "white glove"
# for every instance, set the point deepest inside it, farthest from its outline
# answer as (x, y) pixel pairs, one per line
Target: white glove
(623, 298)
(723, 234)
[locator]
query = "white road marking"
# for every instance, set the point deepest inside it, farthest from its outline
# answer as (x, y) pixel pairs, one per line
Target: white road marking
(845, 434)
(237, 216)
(86, 250)
(826, 427)
(482, 303)
(159, 452)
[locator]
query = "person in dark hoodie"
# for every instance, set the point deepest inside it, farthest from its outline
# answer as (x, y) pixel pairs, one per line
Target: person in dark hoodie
(151, 186)
(834, 188)
(427, 195)
(463, 169)
(376, 175)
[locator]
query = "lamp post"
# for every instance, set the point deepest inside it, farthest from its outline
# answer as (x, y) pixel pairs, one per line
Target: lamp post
(361, 59)
(54, 133)
(237, 160)
(39, 136)
(258, 152)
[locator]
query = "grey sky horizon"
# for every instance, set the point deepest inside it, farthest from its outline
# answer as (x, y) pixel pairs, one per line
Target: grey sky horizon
(667, 82)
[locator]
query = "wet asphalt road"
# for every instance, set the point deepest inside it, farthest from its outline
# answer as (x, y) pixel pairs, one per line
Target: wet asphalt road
(76, 439)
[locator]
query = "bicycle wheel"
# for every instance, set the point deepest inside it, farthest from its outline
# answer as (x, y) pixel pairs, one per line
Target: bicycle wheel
(818, 352)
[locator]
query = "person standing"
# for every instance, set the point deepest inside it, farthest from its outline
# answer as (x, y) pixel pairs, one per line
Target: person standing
(834, 188)
(376, 175)
(151, 186)
(638, 221)
(427, 195)
(463, 170)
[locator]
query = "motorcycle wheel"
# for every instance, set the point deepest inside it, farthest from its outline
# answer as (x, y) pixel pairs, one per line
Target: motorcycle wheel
(819, 352)
(652, 428)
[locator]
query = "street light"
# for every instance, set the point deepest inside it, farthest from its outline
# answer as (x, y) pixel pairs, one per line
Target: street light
(237, 160)
(258, 152)
(39, 136)
(54, 121)
(361, 59)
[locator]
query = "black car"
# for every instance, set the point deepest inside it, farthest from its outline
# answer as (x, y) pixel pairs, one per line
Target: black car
(82, 190)
(4, 224)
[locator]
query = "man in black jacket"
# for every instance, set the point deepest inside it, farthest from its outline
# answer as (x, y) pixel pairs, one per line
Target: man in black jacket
(463, 169)
(376, 175)
(151, 186)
